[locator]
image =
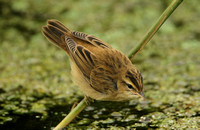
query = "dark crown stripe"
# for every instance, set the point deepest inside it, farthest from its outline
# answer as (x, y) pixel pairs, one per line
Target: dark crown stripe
(133, 80)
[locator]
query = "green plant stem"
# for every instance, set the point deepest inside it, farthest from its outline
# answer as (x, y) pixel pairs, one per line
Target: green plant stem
(74, 112)
(143, 42)
(170, 9)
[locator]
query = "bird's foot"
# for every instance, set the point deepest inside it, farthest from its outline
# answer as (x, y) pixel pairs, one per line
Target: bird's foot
(88, 100)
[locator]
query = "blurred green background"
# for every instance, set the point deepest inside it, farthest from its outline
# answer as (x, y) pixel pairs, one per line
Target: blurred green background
(36, 90)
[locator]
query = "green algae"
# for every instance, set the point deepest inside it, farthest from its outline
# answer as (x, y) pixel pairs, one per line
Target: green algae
(35, 81)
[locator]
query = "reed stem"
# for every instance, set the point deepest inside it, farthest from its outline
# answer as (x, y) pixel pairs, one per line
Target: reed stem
(170, 9)
(74, 112)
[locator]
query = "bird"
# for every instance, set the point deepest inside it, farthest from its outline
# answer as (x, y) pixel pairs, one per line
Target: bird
(100, 71)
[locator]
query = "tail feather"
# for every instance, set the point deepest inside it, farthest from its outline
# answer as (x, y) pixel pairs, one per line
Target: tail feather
(56, 32)
(59, 25)
(48, 34)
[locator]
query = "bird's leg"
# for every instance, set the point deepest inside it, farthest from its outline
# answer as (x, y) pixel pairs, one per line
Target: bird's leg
(88, 100)
(74, 105)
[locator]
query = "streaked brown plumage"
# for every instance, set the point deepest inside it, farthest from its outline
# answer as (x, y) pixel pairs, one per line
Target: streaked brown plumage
(101, 72)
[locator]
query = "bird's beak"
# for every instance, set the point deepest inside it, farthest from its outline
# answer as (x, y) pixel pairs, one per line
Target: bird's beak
(141, 95)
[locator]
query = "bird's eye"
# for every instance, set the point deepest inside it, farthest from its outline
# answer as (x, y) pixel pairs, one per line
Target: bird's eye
(130, 86)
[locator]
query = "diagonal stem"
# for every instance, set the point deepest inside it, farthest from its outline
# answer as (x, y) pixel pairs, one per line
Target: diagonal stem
(71, 115)
(170, 9)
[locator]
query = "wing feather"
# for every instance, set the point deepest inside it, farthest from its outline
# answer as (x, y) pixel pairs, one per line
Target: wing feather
(91, 40)
(83, 58)
(100, 77)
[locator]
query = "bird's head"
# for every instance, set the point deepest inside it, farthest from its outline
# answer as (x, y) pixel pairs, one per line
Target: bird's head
(131, 83)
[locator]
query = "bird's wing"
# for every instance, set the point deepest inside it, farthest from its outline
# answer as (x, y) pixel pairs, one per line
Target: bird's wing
(83, 58)
(101, 80)
(91, 39)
